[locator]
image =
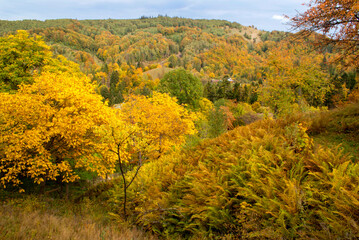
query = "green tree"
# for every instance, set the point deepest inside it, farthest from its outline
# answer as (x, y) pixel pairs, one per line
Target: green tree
(210, 91)
(115, 96)
(173, 61)
(20, 57)
(184, 86)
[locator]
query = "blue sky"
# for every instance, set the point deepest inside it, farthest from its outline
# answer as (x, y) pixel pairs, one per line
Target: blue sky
(263, 14)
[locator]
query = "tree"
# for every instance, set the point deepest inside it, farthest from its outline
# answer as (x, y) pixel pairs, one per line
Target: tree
(20, 57)
(183, 85)
(163, 123)
(143, 129)
(123, 143)
(336, 19)
(49, 129)
(293, 79)
(115, 95)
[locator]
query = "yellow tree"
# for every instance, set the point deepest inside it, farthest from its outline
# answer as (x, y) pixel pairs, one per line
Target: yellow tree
(123, 144)
(162, 121)
(49, 129)
(144, 128)
(293, 78)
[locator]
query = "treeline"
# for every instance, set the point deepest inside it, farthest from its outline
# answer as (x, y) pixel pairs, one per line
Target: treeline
(119, 27)
(127, 56)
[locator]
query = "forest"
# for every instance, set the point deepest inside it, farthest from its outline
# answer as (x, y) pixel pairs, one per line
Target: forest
(175, 128)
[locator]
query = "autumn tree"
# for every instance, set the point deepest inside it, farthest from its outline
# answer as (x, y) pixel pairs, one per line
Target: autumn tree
(49, 129)
(20, 56)
(144, 128)
(163, 123)
(294, 79)
(336, 19)
(124, 145)
(183, 85)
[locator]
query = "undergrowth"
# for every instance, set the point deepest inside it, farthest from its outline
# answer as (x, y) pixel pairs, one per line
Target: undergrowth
(267, 180)
(40, 217)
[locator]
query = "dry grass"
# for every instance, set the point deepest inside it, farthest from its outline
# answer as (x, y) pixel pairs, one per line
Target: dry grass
(23, 221)
(158, 72)
(250, 31)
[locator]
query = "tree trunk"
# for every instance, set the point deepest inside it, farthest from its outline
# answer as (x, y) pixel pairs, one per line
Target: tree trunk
(67, 191)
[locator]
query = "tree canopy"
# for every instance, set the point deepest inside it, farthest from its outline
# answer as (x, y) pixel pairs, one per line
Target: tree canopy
(49, 130)
(20, 57)
(163, 123)
(336, 19)
(183, 85)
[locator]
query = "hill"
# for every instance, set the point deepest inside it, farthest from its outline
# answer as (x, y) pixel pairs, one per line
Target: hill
(97, 44)
(212, 50)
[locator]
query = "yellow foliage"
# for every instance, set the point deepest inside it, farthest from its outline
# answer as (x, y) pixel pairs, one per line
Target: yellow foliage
(49, 129)
(163, 123)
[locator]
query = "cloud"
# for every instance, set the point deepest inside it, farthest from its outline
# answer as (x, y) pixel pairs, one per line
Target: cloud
(281, 18)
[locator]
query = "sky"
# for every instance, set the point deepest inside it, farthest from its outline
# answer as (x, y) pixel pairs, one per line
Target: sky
(263, 14)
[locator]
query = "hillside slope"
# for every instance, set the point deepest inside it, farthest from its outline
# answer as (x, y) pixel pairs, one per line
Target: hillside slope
(265, 180)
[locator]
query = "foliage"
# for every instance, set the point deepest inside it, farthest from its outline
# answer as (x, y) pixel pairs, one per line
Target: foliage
(268, 179)
(49, 130)
(20, 57)
(294, 79)
(264, 180)
(340, 120)
(163, 123)
(339, 20)
(125, 144)
(211, 50)
(184, 86)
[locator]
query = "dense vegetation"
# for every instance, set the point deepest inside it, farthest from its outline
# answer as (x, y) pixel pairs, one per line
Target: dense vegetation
(201, 129)
(265, 180)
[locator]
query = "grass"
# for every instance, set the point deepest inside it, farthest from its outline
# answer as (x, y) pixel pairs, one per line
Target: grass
(158, 72)
(347, 143)
(37, 217)
(339, 127)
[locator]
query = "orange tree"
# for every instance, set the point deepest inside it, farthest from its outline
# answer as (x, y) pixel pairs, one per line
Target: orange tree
(336, 19)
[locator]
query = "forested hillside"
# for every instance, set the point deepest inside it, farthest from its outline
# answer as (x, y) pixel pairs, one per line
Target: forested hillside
(202, 129)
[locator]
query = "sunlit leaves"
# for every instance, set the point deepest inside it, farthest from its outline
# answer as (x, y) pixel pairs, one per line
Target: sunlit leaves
(162, 121)
(48, 130)
(20, 57)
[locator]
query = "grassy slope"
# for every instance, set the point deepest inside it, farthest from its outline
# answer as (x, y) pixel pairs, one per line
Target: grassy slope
(36, 217)
(338, 128)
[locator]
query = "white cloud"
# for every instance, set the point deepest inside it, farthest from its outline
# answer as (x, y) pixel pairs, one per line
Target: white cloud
(278, 17)
(281, 18)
